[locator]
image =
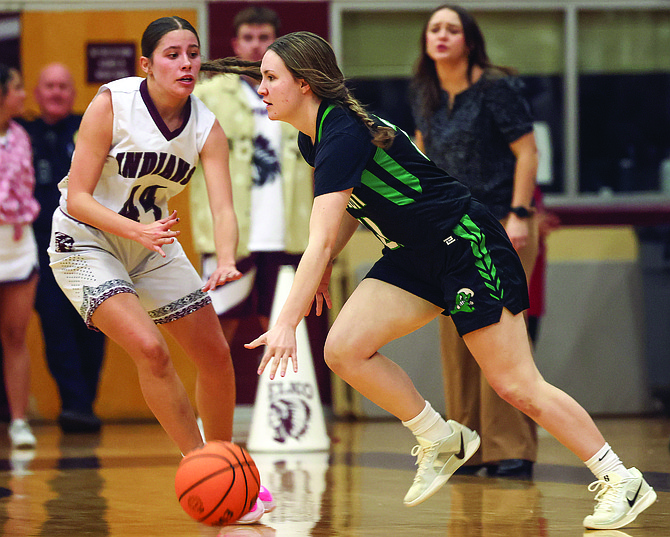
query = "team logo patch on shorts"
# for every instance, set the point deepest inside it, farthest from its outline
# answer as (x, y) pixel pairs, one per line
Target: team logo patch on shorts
(464, 302)
(64, 243)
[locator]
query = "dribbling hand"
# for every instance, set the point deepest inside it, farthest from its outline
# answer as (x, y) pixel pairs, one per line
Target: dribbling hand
(281, 346)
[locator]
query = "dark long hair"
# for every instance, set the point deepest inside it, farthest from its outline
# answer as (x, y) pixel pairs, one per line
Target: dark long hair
(309, 57)
(158, 28)
(426, 84)
(6, 73)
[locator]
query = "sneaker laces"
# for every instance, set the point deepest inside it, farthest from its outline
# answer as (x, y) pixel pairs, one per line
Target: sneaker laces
(607, 496)
(423, 454)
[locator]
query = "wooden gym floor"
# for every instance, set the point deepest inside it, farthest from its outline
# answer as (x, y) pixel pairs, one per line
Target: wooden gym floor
(121, 483)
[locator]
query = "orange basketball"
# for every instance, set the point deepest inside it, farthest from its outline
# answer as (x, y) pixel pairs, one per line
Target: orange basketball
(218, 483)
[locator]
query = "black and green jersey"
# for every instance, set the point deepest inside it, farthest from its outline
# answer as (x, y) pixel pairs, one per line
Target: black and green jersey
(401, 195)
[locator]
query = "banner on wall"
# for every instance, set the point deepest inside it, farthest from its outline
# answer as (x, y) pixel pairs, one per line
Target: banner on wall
(109, 61)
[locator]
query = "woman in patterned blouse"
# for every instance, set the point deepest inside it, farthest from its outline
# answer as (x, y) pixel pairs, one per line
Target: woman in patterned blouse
(474, 122)
(18, 253)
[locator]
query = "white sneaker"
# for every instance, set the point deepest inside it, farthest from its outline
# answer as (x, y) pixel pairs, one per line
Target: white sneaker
(619, 500)
(437, 461)
(254, 515)
(20, 435)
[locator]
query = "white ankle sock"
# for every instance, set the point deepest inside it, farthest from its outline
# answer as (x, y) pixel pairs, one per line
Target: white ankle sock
(428, 424)
(606, 461)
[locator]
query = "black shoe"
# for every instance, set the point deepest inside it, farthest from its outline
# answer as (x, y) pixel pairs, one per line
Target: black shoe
(514, 469)
(71, 421)
(474, 469)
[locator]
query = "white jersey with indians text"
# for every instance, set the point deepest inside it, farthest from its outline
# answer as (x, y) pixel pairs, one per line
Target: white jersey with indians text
(147, 163)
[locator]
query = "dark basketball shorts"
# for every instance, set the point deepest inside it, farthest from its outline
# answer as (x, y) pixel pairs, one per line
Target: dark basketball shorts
(254, 292)
(473, 273)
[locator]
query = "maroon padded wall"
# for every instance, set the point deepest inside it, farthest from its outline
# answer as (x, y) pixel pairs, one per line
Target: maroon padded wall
(297, 15)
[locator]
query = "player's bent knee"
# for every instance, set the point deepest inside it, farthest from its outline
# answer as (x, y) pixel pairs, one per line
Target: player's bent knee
(516, 395)
(342, 358)
(335, 355)
(154, 354)
(331, 360)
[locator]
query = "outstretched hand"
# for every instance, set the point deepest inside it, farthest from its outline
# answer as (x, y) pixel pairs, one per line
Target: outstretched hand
(222, 274)
(159, 233)
(281, 347)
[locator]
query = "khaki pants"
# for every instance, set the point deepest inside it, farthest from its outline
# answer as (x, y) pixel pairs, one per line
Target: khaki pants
(506, 433)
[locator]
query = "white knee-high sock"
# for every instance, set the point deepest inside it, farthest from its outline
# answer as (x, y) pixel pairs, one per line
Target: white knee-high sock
(606, 461)
(429, 424)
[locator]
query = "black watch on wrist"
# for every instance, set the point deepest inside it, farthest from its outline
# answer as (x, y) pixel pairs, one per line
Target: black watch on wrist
(521, 212)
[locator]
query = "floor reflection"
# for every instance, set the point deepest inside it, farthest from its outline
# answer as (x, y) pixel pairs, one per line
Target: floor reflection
(78, 507)
(299, 479)
(122, 485)
(248, 531)
(16, 517)
(503, 508)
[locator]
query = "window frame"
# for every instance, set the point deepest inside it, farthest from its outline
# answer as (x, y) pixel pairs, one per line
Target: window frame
(577, 207)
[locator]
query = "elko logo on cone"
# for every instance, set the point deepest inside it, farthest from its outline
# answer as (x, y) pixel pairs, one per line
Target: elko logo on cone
(287, 414)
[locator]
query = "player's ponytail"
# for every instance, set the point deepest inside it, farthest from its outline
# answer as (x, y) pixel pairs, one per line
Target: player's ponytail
(233, 66)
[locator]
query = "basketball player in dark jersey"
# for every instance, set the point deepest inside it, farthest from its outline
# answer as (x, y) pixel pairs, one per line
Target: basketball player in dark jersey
(444, 254)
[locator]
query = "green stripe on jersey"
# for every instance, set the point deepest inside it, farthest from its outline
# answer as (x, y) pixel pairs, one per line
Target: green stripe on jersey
(323, 117)
(384, 160)
(468, 230)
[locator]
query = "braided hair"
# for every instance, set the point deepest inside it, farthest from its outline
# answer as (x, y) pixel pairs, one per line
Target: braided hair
(309, 57)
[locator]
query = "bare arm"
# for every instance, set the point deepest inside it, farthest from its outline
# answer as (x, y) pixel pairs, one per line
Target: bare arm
(525, 177)
(93, 143)
(347, 228)
(324, 238)
(214, 161)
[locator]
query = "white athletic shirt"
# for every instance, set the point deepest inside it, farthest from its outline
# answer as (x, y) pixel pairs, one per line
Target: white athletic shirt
(147, 164)
(267, 226)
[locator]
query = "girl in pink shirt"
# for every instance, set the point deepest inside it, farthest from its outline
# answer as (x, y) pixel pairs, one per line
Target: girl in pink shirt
(18, 253)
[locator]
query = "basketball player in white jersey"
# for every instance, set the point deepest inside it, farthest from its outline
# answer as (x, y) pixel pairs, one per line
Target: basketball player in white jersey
(113, 250)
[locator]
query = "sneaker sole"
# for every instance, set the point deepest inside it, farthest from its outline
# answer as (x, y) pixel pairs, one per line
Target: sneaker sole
(269, 507)
(260, 511)
(452, 464)
(647, 500)
(251, 520)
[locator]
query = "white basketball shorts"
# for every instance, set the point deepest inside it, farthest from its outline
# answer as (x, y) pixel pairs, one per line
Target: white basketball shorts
(91, 265)
(18, 259)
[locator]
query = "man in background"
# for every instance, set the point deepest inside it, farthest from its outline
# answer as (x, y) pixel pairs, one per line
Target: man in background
(74, 353)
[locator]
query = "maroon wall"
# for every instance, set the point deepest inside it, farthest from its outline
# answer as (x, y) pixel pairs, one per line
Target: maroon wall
(310, 16)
